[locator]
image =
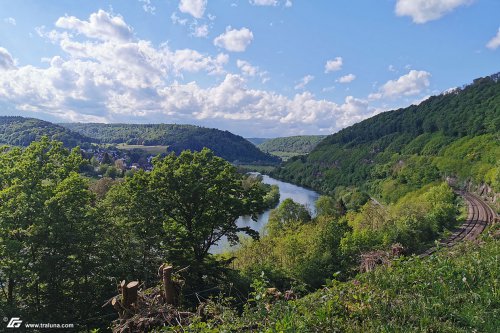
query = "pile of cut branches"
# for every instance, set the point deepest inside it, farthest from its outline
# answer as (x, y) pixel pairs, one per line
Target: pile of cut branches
(143, 310)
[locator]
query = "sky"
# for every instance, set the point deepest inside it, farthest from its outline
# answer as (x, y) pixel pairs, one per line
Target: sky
(258, 68)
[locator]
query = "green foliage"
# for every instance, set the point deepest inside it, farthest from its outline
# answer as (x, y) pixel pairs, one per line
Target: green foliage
(287, 216)
(52, 261)
(293, 144)
(19, 131)
(296, 251)
(177, 213)
(178, 138)
(308, 252)
(455, 291)
(413, 221)
(453, 134)
(287, 147)
(328, 206)
(64, 244)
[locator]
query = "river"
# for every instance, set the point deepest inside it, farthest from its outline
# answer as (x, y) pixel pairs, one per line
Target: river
(287, 190)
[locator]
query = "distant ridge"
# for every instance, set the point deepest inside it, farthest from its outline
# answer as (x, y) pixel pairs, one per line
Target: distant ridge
(257, 141)
(299, 144)
(225, 144)
(20, 131)
(456, 133)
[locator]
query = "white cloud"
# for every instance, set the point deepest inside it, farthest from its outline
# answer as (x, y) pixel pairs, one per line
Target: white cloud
(101, 25)
(288, 3)
(53, 36)
(494, 42)
(116, 80)
(6, 60)
(177, 20)
(413, 83)
(422, 11)
(246, 68)
(333, 65)
(148, 7)
(196, 8)
(264, 2)
(304, 82)
(200, 31)
(234, 40)
(420, 100)
(10, 20)
(347, 78)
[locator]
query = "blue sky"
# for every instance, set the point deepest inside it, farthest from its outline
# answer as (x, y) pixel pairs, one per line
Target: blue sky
(258, 68)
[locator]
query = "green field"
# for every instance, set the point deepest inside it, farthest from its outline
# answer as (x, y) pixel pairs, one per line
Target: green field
(155, 150)
(285, 155)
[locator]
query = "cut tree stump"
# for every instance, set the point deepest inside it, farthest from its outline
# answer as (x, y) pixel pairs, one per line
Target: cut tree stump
(168, 286)
(129, 294)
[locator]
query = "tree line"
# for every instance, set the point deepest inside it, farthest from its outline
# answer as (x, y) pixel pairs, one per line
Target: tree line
(433, 132)
(63, 247)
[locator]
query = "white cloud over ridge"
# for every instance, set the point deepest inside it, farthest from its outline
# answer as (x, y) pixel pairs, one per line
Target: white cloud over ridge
(494, 43)
(413, 83)
(422, 11)
(118, 77)
(195, 8)
(234, 40)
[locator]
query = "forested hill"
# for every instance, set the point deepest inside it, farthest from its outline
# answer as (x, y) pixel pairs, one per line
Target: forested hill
(291, 146)
(229, 146)
(20, 131)
(257, 141)
(456, 133)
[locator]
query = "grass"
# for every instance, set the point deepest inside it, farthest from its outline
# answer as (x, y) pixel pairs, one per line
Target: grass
(455, 290)
(154, 150)
(284, 155)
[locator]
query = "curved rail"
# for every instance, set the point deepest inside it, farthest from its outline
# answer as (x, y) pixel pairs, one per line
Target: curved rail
(479, 215)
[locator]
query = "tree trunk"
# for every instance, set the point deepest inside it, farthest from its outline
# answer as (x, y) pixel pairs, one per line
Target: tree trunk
(168, 285)
(129, 294)
(10, 290)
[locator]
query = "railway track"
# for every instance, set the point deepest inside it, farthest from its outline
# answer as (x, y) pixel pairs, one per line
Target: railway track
(479, 216)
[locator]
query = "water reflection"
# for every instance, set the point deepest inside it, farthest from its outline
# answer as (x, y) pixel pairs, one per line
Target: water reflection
(287, 190)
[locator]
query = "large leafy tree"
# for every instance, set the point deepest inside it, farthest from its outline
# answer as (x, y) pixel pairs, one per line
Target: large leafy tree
(289, 215)
(203, 196)
(136, 220)
(177, 212)
(50, 254)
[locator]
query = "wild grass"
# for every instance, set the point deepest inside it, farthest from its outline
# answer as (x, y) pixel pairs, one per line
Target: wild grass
(455, 290)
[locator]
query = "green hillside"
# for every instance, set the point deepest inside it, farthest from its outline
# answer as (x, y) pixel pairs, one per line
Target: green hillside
(229, 146)
(20, 131)
(257, 141)
(455, 291)
(453, 134)
(290, 146)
